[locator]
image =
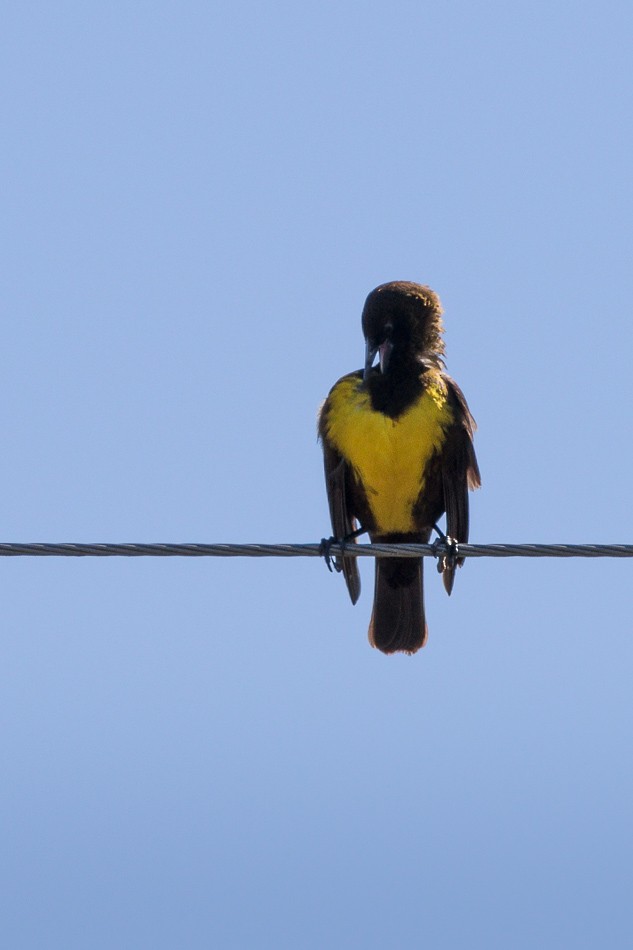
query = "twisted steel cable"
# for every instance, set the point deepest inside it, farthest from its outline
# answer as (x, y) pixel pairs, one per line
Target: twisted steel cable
(438, 549)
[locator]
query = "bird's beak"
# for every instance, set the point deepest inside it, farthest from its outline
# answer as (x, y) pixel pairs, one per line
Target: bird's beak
(385, 352)
(370, 353)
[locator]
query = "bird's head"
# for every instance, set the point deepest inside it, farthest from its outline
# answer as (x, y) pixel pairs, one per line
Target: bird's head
(402, 321)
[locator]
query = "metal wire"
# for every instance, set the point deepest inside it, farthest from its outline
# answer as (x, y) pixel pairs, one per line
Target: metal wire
(439, 549)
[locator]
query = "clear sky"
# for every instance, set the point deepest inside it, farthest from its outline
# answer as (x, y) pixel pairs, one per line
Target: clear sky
(196, 199)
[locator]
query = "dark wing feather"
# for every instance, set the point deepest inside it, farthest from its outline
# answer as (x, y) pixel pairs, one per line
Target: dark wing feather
(337, 476)
(460, 473)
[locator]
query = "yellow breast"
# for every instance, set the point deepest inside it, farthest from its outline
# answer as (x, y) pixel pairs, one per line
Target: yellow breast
(389, 456)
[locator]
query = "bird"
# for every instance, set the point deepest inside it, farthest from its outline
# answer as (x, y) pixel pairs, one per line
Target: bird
(398, 453)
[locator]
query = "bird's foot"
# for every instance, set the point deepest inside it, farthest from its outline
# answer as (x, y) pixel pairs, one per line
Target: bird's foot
(445, 549)
(324, 552)
(326, 546)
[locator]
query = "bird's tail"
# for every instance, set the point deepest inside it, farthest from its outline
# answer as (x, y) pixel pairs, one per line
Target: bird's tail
(397, 620)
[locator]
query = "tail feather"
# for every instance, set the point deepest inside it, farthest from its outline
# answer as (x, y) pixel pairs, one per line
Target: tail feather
(397, 620)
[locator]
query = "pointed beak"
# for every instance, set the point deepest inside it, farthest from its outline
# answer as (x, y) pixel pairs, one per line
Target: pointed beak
(385, 353)
(370, 353)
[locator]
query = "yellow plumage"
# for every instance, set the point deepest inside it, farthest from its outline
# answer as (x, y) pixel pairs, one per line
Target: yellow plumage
(388, 455)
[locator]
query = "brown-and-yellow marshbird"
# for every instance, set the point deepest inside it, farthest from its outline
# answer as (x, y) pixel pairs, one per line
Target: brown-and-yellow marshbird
(398, 451)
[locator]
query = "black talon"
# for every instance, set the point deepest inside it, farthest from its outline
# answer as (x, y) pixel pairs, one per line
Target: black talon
(440, 542)
(447, 557)
(451, 555)
(324, 551)
(326, 545)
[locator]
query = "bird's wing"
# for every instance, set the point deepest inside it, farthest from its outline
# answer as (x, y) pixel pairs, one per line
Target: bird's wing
(460, 472)
(338, 481)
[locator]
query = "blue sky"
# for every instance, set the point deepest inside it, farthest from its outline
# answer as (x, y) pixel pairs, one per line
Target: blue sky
(197, 198)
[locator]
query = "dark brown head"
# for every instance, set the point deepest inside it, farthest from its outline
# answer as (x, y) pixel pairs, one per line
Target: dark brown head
(402, 321)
